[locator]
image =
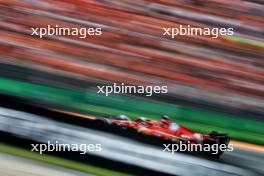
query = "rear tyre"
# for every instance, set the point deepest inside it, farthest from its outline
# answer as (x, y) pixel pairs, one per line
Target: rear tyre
(217, 145)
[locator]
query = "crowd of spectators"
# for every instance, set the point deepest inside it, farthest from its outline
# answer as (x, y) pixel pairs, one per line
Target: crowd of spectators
(132, 49)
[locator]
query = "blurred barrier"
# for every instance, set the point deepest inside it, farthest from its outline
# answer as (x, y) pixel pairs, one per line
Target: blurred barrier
(92, 103)
(61, 79)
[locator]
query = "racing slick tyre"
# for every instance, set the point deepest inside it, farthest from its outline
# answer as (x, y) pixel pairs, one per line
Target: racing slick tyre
(220, 139)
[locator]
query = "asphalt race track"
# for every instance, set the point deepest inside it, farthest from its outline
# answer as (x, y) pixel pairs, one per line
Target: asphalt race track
(246, 159)
(128, 151)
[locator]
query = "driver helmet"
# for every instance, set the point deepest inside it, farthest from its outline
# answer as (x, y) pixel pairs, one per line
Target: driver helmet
(123, 117)
(164, 119)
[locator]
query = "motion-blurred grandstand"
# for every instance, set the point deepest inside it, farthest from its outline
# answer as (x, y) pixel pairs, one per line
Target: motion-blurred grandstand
(226, 70)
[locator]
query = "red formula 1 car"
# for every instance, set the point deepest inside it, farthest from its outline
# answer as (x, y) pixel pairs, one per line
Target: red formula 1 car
(170, 131)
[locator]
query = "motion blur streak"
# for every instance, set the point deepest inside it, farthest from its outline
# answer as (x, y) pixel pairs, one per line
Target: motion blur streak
(214, 84)
(132, 49)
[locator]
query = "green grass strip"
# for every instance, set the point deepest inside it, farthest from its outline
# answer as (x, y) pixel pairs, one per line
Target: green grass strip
(78, 166)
